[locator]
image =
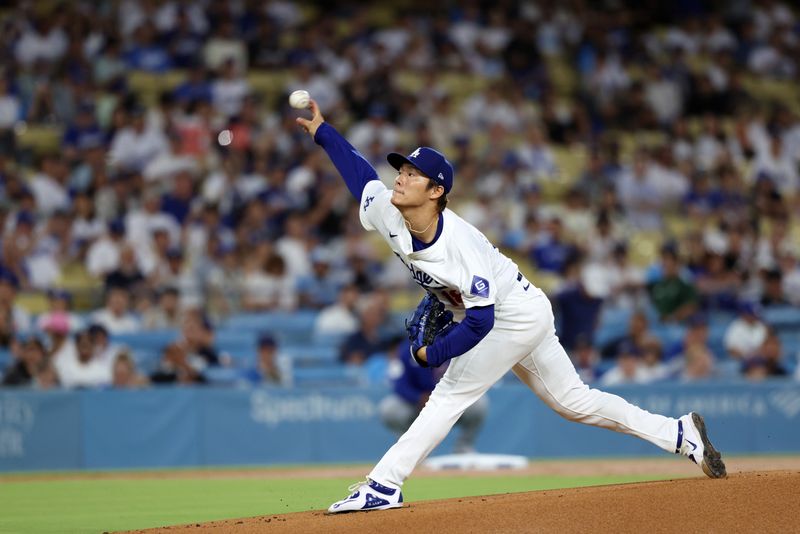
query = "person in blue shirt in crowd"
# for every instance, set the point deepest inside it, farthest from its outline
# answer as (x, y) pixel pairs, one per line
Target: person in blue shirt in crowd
(268, 368)
(412, 385)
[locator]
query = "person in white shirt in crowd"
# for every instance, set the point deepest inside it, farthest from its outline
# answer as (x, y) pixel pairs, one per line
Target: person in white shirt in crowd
(165, 313)
(778, 164)
(340, 319)
(311, 77)
(136, 144)
(41, 40)
(374, 128)
(103, 349)
(629, 368)
(638, 192)
(266, 284)
(140, 223)
(224, 45)
(169, 162)
(78, 367)
(745, 335)
(116, 316)
(293, 246)
(86, 226)
(535, 156)
(229, 89)
(10, 107)
(49, 184)
(488, 108)
(103, 255)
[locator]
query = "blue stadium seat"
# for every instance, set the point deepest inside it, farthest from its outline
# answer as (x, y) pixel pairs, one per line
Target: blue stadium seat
(782, 318)
(311, 355)
(240, 346)
(612, 325)
(148, 340)
(331, 376)
(289, 327)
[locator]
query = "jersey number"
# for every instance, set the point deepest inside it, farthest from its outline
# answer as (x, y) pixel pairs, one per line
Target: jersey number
(453, 297)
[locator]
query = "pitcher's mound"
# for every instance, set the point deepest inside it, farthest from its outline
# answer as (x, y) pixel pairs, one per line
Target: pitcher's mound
(746, 502)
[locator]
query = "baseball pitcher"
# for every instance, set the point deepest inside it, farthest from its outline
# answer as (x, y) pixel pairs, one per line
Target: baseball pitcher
(480, 313)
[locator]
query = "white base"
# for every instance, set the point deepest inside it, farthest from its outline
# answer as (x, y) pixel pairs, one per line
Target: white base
(473, 460)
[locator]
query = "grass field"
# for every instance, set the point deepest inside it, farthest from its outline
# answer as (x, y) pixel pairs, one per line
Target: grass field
(59, 504)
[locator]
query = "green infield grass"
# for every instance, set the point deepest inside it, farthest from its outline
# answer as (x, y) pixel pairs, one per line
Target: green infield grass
(111, 504)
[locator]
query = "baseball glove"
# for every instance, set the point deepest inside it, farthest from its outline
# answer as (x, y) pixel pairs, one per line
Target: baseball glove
(430, 319)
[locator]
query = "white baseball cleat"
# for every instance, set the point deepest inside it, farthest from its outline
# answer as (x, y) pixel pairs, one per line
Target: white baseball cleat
(368, 495)
(693, 442)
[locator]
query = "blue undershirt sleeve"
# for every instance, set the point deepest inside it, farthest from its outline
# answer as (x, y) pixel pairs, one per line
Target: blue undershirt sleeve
(354, 168)
(478, 322)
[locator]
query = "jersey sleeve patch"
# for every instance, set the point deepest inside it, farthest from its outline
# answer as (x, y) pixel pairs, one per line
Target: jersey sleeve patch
(480, 287)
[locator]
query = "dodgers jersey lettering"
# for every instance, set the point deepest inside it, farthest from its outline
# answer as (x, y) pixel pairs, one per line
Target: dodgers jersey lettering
(461, 268)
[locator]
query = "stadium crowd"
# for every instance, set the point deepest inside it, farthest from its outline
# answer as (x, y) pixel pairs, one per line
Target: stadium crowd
(640, 160)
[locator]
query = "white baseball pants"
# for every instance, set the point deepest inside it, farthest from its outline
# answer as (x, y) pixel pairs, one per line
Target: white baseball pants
(523, 340)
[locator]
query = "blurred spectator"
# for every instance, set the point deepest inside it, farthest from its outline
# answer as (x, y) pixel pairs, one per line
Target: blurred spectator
(127, 274)
(229, 90)
(698, 364)
(197, 339)
(124, 373)
(17, 318)
(368, 340)
(746, 333)
(24, 370)
(102, 348)
(586, 359)
(321, 287)
(673, 297)
(60, 302)
(104, 254)
(271, 365)
(165, 313)
(137, 143)
(773, 294)
(340, 318)
(79, 367)
(116, 316)
(175, 367)
(638, 334)
(552, 251)
(225, 46)
(145, 52)
(767, 361)
(266, 284)
(578, 304)
(629, 368)
(411, 387)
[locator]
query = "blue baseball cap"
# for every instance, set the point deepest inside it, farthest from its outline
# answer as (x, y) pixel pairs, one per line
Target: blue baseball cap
(431, 162)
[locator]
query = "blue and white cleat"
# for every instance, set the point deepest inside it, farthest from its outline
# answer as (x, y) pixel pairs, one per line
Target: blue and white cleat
(368, 495)
(693, 442)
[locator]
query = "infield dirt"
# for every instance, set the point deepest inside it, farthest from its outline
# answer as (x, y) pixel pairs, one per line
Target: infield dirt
(765, 501)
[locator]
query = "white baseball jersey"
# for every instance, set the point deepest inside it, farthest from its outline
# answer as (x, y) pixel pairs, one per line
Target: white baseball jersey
(462, 268)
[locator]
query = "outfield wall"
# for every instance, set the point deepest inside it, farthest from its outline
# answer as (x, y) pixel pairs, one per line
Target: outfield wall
(173, 427)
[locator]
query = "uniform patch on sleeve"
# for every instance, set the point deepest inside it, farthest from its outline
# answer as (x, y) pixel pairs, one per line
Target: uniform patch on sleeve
(480, 287)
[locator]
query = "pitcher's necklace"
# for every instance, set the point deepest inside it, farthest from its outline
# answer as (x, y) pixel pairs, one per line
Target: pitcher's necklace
(408, 223)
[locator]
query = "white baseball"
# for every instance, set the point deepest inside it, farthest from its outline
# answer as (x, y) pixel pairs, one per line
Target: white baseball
(299, 99)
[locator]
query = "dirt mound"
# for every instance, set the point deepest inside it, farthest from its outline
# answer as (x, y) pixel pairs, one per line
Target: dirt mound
(744, 502)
